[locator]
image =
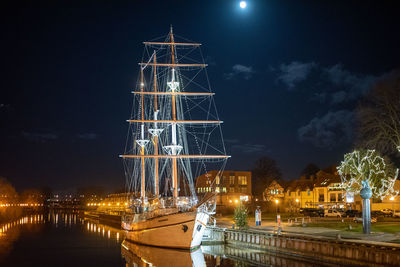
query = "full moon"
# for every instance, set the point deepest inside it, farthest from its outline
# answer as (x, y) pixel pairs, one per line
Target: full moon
(243, 4)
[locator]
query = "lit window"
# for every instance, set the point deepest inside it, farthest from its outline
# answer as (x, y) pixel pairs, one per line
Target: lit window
(242, 180)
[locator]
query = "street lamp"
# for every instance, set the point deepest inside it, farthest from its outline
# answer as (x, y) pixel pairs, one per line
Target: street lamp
(276, 202)
(392, 199)
(297, 201)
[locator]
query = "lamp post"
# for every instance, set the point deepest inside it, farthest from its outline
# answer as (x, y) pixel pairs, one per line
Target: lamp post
(392, 199)
(298, 207)
(278, 217)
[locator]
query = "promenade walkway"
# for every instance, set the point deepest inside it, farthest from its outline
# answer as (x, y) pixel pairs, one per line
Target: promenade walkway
(271, 226)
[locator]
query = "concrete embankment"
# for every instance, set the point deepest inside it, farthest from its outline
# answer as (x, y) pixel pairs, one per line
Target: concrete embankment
(336, 251)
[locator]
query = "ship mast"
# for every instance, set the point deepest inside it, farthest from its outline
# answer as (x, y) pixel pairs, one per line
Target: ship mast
(173, 150)
(174, 160)
(156, 182)
(142, 186)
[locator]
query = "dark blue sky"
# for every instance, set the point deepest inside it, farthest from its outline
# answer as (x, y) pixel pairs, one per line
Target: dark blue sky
(287, 77)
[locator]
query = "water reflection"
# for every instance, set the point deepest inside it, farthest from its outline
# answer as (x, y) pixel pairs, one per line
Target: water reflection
(140, 255)
(101, 229)
(90, 237)
(220, 255)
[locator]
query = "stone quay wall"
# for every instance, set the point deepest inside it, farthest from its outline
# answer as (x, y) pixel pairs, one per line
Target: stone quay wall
(338, 251)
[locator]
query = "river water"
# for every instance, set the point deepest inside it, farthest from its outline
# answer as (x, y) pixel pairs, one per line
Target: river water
(66, 239)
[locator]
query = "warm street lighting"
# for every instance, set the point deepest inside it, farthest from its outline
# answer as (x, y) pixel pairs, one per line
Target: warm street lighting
(392, 198)
(276, 201)
(236, 201)
(297, 200)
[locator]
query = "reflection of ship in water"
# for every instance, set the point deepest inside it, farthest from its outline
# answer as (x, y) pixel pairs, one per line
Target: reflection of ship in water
(220, 255)
(141, 255)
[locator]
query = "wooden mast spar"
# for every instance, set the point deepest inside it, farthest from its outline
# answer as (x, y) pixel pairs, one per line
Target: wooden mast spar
(156, 182)
(142, 185)
(174, 160)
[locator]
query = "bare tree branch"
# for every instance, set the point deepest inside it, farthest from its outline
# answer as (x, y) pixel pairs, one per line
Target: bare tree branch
(379, 116)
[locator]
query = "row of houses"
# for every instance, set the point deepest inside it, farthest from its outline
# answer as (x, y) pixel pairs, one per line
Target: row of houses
(320, 190)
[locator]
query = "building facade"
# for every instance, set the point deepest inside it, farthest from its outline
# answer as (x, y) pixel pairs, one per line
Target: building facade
(231, 187)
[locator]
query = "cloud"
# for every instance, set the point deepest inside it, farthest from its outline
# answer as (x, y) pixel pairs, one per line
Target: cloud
(347, 86)
(295, 72)
(87, 136)
(329, 84)
(232, 141)
(319, 97)
(332, 129)
(240, 70)
(39, 137)
(249, 148)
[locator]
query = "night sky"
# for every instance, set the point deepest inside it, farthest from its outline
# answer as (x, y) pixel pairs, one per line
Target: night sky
(287, 77)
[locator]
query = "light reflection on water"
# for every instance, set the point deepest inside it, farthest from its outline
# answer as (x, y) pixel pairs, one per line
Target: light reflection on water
(132, 254)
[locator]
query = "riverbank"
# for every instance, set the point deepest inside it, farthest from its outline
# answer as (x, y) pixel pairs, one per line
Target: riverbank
(387, 231)
(334, 250)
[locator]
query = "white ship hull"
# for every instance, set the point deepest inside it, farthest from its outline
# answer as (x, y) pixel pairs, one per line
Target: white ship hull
(179, 230)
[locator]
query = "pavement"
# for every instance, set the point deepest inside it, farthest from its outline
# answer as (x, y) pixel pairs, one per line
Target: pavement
(271, 226)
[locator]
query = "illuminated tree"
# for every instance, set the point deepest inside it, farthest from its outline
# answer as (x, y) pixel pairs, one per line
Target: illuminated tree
(367, 165)
(365, 171)
(240, 217)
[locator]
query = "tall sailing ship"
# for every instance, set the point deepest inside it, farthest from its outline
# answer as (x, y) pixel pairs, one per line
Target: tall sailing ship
(174, 136)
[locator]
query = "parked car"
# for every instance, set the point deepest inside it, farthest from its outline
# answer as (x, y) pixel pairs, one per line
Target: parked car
(387, 211)
(351, 213)
(312, 212)
(359, 219)
(396, 213)
(378, 213)
(332, 213)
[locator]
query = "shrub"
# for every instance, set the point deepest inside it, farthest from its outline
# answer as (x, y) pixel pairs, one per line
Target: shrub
(240, 217)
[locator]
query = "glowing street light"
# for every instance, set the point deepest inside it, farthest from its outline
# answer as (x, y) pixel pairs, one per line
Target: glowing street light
(276, 202)
(392, 199)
